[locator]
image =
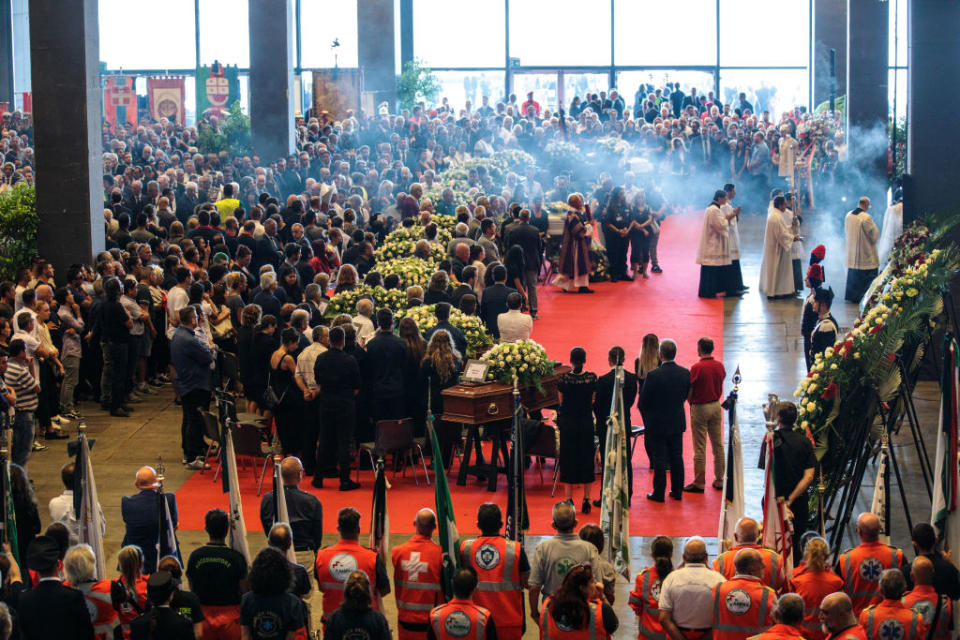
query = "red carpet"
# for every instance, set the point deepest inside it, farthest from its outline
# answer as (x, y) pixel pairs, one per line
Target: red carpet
(618, 313)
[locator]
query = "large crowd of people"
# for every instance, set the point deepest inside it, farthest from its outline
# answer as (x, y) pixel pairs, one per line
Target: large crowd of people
(220, 270)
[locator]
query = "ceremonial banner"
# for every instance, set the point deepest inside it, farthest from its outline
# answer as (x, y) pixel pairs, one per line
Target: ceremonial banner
(280, 513)
(218, 87)
(380, 522)
(231, 485)
(946, 477)
(614, 500)
(449, 539)
(9, 514)
(776, 526)
(166, 95)
(90, 517)
(120, 101)
(733, 503)
(335, 91)
(878, 506)
(518, 521)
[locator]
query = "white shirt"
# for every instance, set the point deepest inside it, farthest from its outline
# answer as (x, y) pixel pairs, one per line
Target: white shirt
(365, 329)
(305, 363)
(177, 298)
(688, 594)
(514, 325)
(61, 510)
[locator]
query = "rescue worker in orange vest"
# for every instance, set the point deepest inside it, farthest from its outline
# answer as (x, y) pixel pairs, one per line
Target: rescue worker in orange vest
(79, 565)
(502, 571)
(837, 619)
(645, 597)
(742, 606)
(936, 609)
(576, 610)
(336, 562)
(417, 566)
(890, 619)
(862, 566)
(813, 581)
(788, 617)
(746, 535)
(461, 618)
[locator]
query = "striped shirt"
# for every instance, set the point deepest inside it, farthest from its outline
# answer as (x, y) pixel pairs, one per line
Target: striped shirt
(24, 385)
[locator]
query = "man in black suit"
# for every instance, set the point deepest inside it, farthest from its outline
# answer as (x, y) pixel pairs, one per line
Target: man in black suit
(527, 236)
(140, 513)
(51, 610)
(468, 278)
(442, 312)
(664, 391)
(387, 362)
(603, 399)
(493, 301)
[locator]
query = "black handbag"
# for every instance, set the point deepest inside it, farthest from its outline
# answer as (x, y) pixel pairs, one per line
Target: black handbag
(269, 399)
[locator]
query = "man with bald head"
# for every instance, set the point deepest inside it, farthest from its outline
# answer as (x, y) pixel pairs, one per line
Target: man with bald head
(936, 609)
(837, 619)
(742, 605)
(862, 566)
(555, 556)
(303, 509)
(788, 620)
(745, 536)
(139, 513)
(890, 619)
(417, 566)
(686, 595)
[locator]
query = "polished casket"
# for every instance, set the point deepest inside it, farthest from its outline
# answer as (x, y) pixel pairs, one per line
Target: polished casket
(492, 401)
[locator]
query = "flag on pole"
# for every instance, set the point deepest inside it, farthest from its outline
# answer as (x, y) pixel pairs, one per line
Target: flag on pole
(380, 522)
(518, 520)
(878, 506)
(946, 480)
(231, 484)
(615, 500)
(280, 513)
(90, 518)
(733, 503)
(777, 534)
(446, 523)
(167, 544)
(10, 514)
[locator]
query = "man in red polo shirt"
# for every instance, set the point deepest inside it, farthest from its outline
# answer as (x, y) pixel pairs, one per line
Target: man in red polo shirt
(706, 416)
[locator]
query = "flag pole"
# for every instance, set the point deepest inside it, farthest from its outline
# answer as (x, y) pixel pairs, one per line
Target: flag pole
(161, 511)
(516, 503)
(821, 519)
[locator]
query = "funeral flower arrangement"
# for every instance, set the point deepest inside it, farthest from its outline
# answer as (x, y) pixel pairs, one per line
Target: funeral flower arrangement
(601, 263)
(614, 147)
(895, 324)
(525, 358)
(473, 329)
(398, 248)
(412, 271)
(562, 154)
(346, 301)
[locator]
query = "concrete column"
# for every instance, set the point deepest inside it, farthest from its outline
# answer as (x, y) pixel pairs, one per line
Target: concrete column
(829, 32)
(866, 97)
(6, 52)
(378, 56)
(271, 78)
(933, 81)
(406, 32)
(65, 51)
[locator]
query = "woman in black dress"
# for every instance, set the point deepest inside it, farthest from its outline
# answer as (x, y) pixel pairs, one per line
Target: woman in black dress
(641, 221)
(413, 391)
(249, 319)
(283, 370)
(439, 370)
(575, 420)
(255, 377)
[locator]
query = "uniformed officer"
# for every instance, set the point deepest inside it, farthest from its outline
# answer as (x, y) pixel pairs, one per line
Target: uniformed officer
(742, 606)
(890, 618)
(645, 597)
(788, 617)
(336, 562)
(936, 609)
(862, 566)
(746, 534)
(417, 566)
(502, 570)
(461, 617)
(616, 229)
(824, 333)
(836, 616)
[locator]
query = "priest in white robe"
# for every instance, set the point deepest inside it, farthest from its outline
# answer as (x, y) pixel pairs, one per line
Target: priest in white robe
(862, 261)
(776, 268)
(713, 254)
(736, 274)
(892, 227)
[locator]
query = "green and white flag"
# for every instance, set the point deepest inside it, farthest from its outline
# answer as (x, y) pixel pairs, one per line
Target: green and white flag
(449, 539)
(943, 515)
(615, 500)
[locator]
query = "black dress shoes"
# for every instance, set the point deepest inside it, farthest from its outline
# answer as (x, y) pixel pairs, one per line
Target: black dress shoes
(676, 496)
(655, 498)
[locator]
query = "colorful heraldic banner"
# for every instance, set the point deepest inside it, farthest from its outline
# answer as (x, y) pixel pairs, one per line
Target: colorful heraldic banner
(120, 101)
(217, 88)
(166, 98)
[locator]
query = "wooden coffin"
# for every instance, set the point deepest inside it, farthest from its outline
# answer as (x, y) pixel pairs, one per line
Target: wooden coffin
(489, 402)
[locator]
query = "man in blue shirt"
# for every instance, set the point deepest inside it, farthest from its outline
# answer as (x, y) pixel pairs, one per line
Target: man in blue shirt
(192, 360)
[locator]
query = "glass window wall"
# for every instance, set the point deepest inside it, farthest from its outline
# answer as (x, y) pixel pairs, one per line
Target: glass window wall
(322, 23)
(441, 37)
(224, 32)
(124, 44)
(459, 86)
(560, 33)
(648, 33)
